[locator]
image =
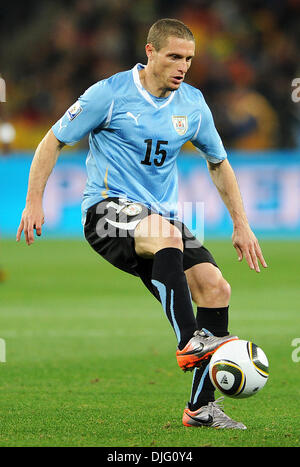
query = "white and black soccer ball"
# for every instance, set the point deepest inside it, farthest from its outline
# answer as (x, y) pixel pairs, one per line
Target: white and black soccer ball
(239, 369)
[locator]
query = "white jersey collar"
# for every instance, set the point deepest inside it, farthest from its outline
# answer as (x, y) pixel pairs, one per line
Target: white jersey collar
(146, 95)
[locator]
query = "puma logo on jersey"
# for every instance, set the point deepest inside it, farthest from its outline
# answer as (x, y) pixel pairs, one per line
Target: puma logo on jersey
(129, 114)
(61, 126)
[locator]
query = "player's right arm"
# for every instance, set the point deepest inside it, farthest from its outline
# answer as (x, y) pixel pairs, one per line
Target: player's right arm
(43, 162)
(90, 111)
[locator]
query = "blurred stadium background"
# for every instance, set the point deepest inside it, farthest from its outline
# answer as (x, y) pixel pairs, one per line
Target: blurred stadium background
(247, 58)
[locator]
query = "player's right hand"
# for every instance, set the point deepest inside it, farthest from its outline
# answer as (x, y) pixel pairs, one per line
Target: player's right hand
(32, 219)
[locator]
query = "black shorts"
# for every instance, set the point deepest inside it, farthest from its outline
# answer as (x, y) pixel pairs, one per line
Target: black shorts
(109, 229)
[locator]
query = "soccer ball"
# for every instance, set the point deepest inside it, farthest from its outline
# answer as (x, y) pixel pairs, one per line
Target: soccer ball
(239, 369)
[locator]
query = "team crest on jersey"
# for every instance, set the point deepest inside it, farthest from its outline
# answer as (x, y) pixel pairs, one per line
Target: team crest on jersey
(74, 110)
(180, 124)
(132, 209)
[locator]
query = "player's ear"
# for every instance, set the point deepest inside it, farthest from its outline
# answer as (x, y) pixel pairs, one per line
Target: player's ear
(149, 50)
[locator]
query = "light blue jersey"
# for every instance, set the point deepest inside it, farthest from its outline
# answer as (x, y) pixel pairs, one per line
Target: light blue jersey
(135, 139)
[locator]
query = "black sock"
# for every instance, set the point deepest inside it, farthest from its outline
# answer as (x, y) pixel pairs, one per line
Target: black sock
(170, 280)
(214, 320)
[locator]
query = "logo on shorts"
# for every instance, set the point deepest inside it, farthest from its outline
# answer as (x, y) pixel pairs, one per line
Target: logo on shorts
(132, 209)
(74, 110)
(180, 124)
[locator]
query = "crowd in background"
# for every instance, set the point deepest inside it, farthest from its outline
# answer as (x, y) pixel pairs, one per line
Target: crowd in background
(247, 54)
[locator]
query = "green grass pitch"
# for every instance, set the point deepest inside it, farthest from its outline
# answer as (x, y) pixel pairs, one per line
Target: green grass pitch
(90, 356)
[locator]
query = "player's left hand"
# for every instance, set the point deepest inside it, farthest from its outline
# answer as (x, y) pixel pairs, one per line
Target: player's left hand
(247, 246)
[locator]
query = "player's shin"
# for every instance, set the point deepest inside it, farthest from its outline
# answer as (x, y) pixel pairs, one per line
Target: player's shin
(169, 279)
(215, 321)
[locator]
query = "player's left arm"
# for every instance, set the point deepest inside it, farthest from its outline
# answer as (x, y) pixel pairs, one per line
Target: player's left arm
(243, 239)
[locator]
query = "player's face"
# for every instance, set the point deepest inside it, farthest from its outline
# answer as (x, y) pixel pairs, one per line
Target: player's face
(170, 64)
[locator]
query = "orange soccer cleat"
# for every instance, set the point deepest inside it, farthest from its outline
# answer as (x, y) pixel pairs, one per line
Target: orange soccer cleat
(199, 348)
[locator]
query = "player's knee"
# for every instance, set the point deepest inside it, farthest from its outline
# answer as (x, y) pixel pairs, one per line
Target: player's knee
(154, 234)
(224, 290)
(148, 247)
(173, 240)
(169, 237)
(220, 290)
(214, 292)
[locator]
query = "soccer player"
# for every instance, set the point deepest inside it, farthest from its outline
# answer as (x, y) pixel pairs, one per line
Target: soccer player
(137, 121)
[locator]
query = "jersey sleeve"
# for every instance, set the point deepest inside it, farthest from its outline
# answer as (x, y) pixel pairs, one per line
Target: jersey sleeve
(90, 111)
(207, 138)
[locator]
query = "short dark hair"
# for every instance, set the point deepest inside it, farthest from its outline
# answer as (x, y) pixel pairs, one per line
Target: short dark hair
(164, 28)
